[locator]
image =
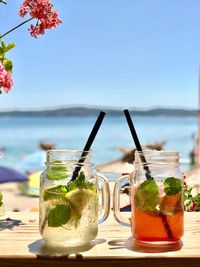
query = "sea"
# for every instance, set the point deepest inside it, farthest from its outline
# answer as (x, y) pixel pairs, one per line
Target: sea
(20, 136)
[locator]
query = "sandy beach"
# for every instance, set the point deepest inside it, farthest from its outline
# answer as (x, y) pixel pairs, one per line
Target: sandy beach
(14, 200)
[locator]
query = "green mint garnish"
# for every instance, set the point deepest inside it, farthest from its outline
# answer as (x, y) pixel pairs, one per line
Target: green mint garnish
(172, 186)
(57, 172)
(57, 192)
(80, 182)
(59, 215)
(147, 197)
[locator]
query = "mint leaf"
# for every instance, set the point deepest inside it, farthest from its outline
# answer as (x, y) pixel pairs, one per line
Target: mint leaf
(59, 215)
(80, 182)
(58, 172)
(147, 197)
(57, 192)
(172, 186)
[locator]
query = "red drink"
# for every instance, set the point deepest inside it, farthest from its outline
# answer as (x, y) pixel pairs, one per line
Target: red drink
(165, 224)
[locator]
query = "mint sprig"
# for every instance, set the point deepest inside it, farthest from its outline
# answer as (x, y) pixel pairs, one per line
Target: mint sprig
(147, 196)
(80, 182)
(57, 192)
(172, 186)
(59, 215)
(57, 171)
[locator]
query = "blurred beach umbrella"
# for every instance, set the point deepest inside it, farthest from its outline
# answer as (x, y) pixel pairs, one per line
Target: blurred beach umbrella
(32, 163)
(11, 175)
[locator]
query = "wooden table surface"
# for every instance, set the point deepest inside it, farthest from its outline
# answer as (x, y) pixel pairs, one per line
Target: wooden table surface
(21, 245)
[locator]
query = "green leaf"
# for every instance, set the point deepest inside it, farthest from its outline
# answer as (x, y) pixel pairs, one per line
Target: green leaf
(10, 46)
(147, 197)
(8, 64)
(80, 182)
(172, 186)
(59, 215)
(58, 172)
(57, 192)
(6, 48)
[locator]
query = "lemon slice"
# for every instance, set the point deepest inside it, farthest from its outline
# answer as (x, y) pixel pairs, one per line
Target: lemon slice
(80, 197)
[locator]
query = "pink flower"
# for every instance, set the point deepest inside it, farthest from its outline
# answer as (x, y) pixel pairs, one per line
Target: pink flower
(42, 10)
(6, 81)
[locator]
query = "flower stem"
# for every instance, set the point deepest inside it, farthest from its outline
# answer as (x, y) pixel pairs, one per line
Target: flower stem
(1, 36)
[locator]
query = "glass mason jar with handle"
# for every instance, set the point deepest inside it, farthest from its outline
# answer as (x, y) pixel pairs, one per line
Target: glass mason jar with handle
(156, 192)
(69, 208)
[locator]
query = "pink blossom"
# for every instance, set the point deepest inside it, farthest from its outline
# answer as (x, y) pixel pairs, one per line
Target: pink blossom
(42, 10)
(6, 81)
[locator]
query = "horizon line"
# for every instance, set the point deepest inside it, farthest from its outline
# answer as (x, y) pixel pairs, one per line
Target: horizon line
(113, 108)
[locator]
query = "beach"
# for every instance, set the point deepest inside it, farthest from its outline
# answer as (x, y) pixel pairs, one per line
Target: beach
(14, 200)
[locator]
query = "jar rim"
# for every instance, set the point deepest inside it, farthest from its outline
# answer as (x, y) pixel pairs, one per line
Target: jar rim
(157, 157)
(69, 151)
(159, 152)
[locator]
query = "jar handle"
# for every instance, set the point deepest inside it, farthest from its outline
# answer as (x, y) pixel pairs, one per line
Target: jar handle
(116, 201)
(104, 192)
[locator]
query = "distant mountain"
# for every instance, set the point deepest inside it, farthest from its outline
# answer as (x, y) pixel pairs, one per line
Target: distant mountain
(90, 111)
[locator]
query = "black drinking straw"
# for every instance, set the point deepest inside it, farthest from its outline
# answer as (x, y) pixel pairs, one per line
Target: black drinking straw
(88, 144)
(137, 142)
(146, 168)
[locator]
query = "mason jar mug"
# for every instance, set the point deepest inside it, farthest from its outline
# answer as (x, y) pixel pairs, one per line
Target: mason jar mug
(73, 199)
(156, 194)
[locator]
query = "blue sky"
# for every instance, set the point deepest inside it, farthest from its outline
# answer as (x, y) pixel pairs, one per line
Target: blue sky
(109, 53)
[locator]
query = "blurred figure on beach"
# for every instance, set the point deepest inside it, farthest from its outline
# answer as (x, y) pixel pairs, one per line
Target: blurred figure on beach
(33, 165)
(36, 161)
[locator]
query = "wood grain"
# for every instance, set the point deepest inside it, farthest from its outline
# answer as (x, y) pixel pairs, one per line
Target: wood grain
(21, 245)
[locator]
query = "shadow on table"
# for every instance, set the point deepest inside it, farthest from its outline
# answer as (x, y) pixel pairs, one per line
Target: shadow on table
(138, 246)
(9, 223)
(41, 250)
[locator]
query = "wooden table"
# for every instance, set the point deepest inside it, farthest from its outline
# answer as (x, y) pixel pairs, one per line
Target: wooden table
(21, 245)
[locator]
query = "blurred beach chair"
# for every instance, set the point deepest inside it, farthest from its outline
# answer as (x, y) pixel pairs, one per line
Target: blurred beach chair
(32, 185)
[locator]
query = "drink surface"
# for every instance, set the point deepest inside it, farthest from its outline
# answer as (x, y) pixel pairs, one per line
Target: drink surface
(157, 213)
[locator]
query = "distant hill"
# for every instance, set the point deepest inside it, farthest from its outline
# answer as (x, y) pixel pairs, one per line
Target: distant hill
(87, 111)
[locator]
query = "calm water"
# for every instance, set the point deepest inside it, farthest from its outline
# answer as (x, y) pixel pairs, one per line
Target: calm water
(20, 136)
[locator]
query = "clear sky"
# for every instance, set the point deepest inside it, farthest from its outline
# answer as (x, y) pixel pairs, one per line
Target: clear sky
(120, 53)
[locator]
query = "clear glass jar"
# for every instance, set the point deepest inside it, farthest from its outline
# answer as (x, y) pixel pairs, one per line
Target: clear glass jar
(69, 207)
(156, 197)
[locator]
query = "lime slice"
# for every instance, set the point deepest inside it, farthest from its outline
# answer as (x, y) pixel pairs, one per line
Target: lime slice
(80, 197)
